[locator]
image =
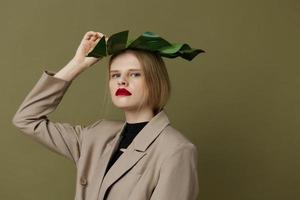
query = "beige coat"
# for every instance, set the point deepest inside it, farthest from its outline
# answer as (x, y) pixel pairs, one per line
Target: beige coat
(159, 164)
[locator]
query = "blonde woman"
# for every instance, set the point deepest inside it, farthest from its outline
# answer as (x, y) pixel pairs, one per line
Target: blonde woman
(140, 158)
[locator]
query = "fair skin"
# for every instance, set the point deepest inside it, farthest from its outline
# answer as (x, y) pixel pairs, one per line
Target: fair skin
(121, 76)
(126, 72)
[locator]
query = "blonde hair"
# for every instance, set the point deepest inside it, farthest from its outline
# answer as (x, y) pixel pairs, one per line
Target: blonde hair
(157, 80)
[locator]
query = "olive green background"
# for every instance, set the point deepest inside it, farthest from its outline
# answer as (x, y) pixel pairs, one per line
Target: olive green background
(239, 102)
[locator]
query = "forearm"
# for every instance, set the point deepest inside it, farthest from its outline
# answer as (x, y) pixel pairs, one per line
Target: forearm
(70, 71)
(41, 100)
(32, 117)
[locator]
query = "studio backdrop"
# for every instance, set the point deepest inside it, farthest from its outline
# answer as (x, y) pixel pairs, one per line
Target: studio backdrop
(238, 102)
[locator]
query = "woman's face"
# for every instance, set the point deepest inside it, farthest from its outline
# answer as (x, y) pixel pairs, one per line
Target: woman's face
(126, 73)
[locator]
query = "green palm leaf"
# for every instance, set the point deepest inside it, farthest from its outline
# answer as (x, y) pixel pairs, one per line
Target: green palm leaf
(148, 41)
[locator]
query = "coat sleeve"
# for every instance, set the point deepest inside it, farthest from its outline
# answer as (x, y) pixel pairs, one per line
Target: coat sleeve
(178, 179)
(31, 117)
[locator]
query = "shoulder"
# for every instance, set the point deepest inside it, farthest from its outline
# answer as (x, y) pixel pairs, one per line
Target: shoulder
(173, 137)
(172, 140)
(105, 124)
(104, 128)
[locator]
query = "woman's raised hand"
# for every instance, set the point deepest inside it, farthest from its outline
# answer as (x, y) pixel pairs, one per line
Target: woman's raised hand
(87, 44)
(80, 62)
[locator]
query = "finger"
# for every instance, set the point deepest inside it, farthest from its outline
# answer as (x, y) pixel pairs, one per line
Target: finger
(100, 34)
(95, 37)
(88, 35)
(93, 44)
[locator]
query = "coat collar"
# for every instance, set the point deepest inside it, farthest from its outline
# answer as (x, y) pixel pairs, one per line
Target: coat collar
(146, 136)
(134, 152)
(152, 129)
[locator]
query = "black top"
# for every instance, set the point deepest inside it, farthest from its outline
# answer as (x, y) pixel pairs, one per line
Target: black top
(130, 131)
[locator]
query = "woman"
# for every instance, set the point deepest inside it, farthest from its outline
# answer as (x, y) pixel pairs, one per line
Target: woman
(139, 159)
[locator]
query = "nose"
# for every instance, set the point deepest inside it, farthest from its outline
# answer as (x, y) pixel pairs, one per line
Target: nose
(122, 81)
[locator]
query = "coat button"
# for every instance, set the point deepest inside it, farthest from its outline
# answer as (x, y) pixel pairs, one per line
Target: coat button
(83, 181)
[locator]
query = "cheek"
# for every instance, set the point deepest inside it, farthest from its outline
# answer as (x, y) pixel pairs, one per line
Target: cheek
(140, 86)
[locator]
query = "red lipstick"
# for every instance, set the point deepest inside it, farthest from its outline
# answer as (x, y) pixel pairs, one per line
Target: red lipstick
(122, 91)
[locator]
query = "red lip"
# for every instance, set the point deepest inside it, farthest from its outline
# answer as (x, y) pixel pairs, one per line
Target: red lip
(122, 91)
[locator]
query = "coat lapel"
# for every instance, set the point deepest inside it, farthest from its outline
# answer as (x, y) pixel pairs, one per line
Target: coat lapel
(103, 162)
(134, 152)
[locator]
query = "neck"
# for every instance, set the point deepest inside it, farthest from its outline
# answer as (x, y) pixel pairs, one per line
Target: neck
(138, 116)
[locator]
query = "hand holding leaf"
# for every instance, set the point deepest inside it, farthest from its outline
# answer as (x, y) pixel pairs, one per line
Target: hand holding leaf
(87, 44)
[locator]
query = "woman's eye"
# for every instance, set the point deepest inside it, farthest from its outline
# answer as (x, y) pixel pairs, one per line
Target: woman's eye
(135, 74)
(132, 75)
(114, 75)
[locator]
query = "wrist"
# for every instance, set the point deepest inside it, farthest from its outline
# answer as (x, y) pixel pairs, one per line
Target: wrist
(76, 64)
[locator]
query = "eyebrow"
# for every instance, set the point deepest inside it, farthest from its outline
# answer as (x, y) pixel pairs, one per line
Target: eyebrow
(128, 70)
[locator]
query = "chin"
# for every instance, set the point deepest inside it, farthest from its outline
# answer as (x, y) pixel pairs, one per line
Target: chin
(122, 106)
(126, 107)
